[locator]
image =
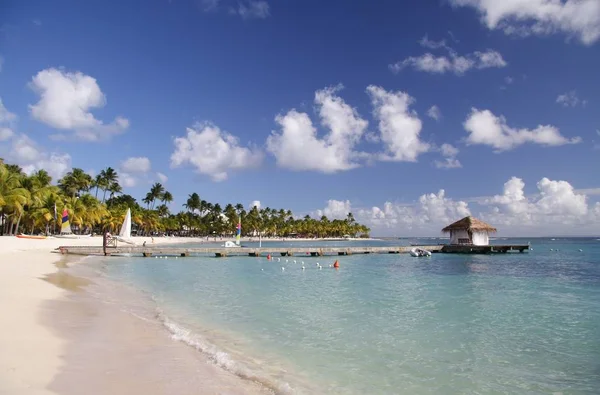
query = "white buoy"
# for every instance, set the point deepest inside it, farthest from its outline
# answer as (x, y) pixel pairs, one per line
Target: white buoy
(262, 270)
(282, 268)
(303, 268)
(278, 259)
(286, 261)
(294, 261)
(320, 268)
(155, 257)
(580, 250)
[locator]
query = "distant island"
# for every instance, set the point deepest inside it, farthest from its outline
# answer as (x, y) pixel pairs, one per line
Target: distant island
(33, 204)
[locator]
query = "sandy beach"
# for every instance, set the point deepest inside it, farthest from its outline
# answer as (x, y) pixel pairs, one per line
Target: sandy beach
(46, 326)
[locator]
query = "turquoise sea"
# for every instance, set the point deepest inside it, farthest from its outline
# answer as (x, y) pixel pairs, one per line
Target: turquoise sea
(388, 324)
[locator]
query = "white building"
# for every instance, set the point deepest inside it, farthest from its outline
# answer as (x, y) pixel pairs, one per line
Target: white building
(469, 231)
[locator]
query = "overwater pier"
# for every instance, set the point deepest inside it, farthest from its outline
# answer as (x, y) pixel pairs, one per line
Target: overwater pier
(221, 252)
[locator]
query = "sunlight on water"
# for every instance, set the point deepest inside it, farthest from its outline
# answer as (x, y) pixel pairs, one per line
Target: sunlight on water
(516, 323)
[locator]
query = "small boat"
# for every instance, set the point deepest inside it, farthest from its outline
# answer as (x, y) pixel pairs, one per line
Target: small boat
(230, 244)
(65, 228)
(125, 233)
(419, 252)
(22, 236)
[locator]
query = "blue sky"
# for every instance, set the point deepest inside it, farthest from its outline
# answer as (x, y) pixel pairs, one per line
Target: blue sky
(195, 88)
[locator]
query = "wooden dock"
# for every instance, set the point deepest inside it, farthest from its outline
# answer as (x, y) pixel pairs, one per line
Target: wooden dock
(149, 251)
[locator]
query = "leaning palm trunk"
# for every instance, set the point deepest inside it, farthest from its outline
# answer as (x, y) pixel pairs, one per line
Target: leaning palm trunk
(18, 222)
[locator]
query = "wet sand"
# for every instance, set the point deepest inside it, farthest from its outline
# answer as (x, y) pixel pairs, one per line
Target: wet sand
(116, 350)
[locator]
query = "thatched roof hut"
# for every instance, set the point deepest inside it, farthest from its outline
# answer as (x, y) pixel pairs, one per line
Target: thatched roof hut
(469, 230)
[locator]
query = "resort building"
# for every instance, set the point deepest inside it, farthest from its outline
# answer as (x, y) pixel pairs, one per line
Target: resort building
(469, 231)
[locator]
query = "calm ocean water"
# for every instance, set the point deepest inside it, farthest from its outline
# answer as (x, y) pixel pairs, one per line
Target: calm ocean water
(389, 324)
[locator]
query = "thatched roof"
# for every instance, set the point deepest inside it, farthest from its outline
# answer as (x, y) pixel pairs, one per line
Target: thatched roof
(470, 224)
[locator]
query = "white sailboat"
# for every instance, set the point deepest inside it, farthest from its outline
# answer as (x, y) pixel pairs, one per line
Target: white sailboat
(125, 233)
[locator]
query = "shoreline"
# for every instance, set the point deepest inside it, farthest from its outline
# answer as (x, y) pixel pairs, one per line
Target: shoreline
(47, 320)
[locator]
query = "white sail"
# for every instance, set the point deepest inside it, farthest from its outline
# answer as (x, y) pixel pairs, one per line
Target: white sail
(125, 232)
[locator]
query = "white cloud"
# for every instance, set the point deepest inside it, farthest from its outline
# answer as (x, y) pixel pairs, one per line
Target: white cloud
(27, 154)
(23, 151)
(427, 43)
(556, 202)
(161, 177)
(136, 165)
(252, 9)
(298, 147)
(127, 180)
(487, 129)
(434, 112)
(449, 152)
(556, 207)
(6, 117)
(508, 80)
(213, 152)
(579, 18)
(65, 102)
(335, 209)
(454, 63)
(255, 203)
(430, 214)
(398, 125)
(570, 99)
(6, 134)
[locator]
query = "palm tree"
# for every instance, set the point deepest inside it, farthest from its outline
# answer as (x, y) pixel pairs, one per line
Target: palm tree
(167, 197)
(147, 200)
(114, 188)
(156, 192)
(13, 197)
(193, 203)
(109, 177)
(74, 182)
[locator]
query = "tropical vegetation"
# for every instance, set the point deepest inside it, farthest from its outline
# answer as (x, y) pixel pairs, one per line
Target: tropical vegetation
(32, 203)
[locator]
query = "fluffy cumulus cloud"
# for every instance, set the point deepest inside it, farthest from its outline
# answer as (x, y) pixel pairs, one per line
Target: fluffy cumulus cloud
(213, 152)
(451, 63)
(449, 152)
(128, 180)
(23, 151)
(427, 216)
(252, 9)
(31, 157)
(66, 99)
(298, 147)
(555, 207)
(136, 165)
(133, 170)
(434, 112)
(570, 99)
(255, 203)
(578, 18)
(335, 209)
(399, 126)
(488, 129)
(555, 203)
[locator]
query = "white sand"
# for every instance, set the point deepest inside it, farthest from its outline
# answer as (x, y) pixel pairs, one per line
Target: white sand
(30, 355)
